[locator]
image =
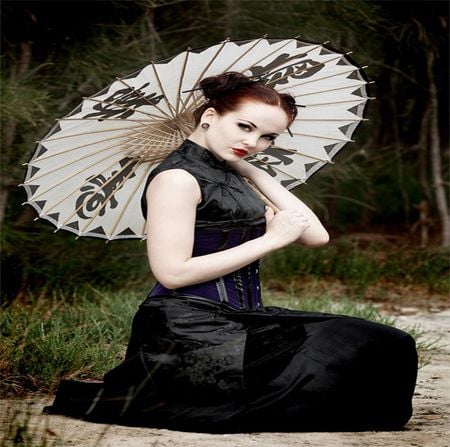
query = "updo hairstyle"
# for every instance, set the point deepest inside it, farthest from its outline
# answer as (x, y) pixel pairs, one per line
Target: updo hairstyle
(225, 93)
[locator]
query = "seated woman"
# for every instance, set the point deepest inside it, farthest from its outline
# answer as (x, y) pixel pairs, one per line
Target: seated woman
(204, 353)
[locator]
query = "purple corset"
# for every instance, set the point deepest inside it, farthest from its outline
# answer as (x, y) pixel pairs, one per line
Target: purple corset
(239, 289)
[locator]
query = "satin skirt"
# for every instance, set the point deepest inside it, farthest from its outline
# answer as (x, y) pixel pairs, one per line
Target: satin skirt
(196, 365)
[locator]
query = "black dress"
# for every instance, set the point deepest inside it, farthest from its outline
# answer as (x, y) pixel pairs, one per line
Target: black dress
(212, 358)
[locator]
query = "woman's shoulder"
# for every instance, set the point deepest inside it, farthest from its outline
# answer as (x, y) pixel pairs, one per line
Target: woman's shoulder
(174, 178)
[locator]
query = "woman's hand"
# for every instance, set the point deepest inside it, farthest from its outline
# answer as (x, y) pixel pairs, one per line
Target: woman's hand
(285, 227)
(314, 234)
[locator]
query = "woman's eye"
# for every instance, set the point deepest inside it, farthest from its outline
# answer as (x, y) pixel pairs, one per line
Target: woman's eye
(244, 126)
(270, 138)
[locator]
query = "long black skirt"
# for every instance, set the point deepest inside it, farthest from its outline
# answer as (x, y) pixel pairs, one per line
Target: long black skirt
(195, 365)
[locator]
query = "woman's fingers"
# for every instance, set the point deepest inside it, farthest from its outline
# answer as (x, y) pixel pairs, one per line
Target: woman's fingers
(287, 226)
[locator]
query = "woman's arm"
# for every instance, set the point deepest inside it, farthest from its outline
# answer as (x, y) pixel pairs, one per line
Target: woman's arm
(316, 234)
(172, 198)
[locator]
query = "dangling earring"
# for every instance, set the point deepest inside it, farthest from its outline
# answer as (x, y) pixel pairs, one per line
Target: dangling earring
(205, 126)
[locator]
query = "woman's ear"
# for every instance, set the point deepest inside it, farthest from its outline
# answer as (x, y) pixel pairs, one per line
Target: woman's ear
(208, 115)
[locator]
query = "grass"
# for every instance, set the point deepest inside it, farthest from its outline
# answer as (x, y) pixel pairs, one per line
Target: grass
(84, 335)
(81, 335)
(19, 430)
(361, 267)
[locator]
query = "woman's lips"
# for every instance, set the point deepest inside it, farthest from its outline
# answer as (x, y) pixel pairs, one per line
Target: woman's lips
(240, 152)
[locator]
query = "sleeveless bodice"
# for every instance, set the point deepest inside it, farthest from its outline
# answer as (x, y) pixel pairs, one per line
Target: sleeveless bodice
(229, 214)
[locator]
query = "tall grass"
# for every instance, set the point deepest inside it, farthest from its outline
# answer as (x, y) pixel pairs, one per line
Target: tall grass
(81, 335)
(360, 267)
(84, 335)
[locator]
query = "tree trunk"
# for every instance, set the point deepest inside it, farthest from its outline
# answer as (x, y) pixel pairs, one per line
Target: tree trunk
(3, 200)
(435, 153)
(230, 18)
(18, 71)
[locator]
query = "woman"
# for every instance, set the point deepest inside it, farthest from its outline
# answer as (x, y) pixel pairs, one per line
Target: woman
(204, 353)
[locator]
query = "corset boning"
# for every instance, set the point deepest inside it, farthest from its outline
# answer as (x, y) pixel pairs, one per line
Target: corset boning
(239, 289)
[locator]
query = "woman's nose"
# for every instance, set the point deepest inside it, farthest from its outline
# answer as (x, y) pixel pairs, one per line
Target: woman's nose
(250, 141)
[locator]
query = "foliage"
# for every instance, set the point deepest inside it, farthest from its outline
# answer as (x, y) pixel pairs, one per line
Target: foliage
(39, 261)
(51, 61)
(361, 268)
(80, 335)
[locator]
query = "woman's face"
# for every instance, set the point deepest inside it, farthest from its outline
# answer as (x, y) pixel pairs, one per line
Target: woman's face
(249, 129)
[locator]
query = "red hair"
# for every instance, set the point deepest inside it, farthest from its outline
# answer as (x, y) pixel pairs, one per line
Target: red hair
(226, 92)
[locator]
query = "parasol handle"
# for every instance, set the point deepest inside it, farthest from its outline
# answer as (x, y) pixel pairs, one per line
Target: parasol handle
(262, 196)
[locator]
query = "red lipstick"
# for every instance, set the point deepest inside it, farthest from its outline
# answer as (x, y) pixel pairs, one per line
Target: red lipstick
(239, 152)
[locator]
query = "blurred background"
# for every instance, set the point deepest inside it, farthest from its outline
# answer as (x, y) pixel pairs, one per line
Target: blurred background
(385, 200)
(389, 189)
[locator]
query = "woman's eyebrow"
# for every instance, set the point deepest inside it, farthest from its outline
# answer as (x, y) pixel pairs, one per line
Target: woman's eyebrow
(249, 122)
(255, 126)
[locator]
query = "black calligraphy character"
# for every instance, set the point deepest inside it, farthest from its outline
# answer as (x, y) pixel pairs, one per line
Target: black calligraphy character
(280, 70)
(266, 163)
(101, 190)
(124, 103)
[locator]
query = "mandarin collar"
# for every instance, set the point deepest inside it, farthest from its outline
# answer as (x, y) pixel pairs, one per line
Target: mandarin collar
(203, 154)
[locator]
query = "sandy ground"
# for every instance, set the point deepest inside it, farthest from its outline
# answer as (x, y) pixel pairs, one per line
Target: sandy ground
(429, 426)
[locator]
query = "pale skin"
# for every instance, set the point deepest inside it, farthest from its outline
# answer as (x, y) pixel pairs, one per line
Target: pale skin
(173, 196)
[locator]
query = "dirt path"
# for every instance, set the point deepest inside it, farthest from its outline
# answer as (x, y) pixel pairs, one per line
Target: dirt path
(429, 427)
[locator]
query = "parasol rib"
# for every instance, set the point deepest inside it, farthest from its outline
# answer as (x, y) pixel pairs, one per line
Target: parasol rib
(138, 185)
(107, 199)
(307, 69)
(163, 92)
(330, 90)
(121, 107)
(144, 98)
(303, 154)
(73, 175)
(350, 120)
(59, 226)
(243, 55)
(90, 133)
(322, 137)
(275, 51)
(34, 178)
(299, 84)
(70, 149)
(205, 69)
(275, 168)
(362, 100)
(153, 133)
(294, 63)
(180, 83)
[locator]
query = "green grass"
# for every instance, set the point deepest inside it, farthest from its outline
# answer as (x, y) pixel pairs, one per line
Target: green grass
(360, 267)
(82, 336)
(85, 335)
